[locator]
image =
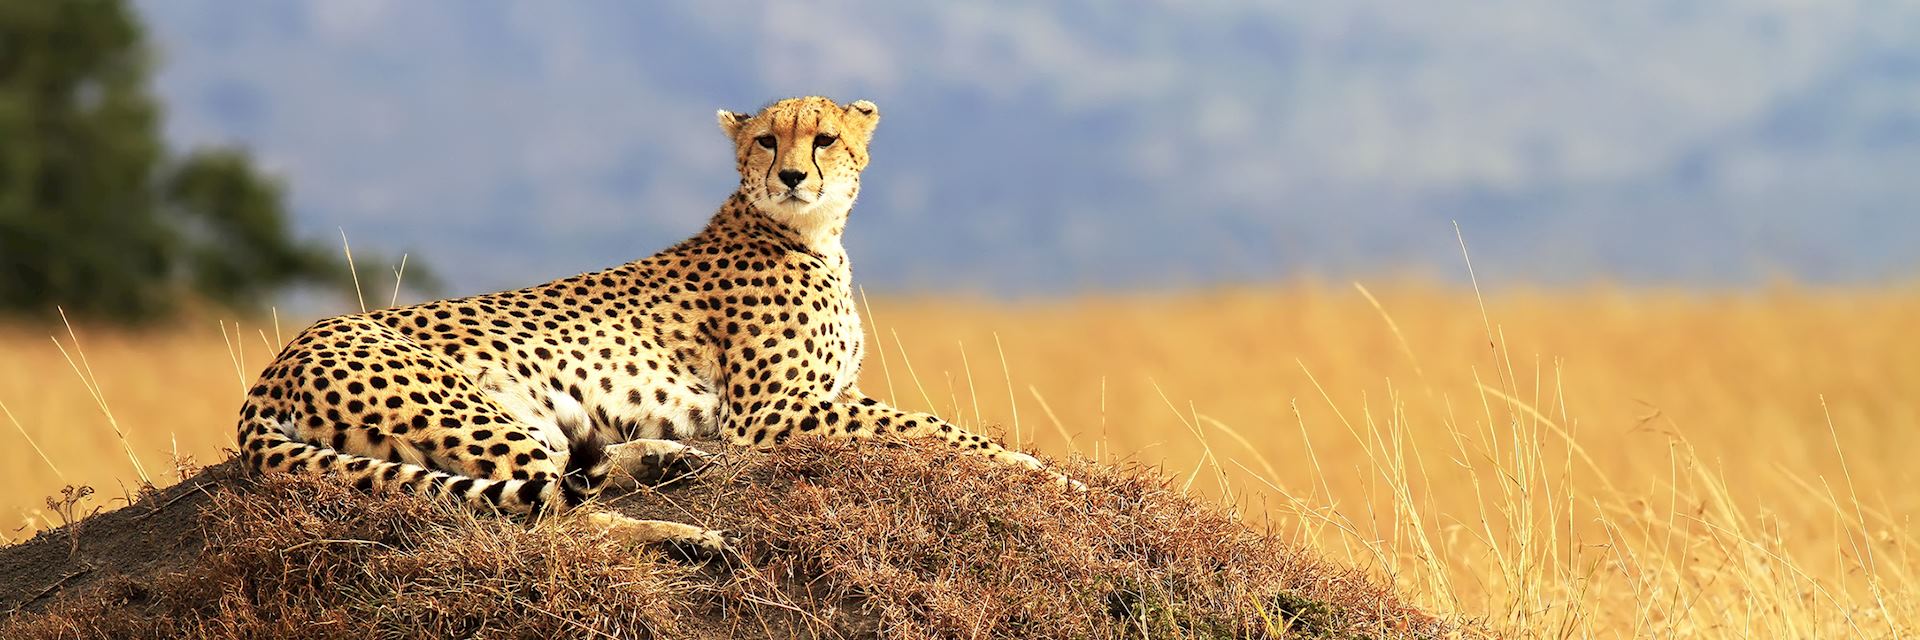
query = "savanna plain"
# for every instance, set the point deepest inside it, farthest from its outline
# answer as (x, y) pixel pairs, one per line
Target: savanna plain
(1590, 462)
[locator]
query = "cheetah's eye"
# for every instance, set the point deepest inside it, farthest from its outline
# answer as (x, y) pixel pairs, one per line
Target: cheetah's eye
(823, 141)
(766, 142)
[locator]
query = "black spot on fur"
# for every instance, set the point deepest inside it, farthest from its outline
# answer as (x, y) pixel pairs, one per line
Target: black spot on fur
(529, 493)
(492, 492)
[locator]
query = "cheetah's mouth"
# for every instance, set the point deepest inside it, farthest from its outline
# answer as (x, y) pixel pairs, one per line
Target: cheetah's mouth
(795, 195)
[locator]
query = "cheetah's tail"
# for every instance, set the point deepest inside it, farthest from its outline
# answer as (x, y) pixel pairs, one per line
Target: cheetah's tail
(270, 449)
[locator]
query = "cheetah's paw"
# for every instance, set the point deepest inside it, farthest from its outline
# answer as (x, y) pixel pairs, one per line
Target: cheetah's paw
(656, 462)
(1025, 460)
(702, 545)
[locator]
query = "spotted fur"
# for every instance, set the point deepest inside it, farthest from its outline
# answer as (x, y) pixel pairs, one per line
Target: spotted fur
(507, 401)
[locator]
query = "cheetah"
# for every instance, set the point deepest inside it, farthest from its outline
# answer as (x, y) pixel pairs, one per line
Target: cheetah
(522, 401)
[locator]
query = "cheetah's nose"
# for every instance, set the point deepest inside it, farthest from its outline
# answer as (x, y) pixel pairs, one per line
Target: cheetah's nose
(792, 178)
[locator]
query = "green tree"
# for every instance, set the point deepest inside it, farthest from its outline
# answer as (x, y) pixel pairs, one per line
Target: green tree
(230, 231)
(95, 216)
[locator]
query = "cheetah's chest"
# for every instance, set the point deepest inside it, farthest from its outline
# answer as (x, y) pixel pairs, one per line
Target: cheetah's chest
(846, 370)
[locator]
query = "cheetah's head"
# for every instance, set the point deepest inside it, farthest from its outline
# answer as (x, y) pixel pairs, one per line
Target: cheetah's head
(800, 158)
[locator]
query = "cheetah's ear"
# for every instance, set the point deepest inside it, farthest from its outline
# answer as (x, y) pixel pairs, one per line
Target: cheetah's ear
(863, 114)
(730, 122)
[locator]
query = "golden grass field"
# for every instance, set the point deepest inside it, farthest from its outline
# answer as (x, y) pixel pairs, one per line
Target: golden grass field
(1590, 463)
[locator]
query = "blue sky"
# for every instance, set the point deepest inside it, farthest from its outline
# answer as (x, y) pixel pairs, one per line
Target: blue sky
(1030, 148)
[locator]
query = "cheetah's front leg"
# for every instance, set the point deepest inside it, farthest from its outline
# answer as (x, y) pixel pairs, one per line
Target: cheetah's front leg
(857, 416)
(685, 540)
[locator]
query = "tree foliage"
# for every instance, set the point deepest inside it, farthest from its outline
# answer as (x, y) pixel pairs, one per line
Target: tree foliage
(96, 216)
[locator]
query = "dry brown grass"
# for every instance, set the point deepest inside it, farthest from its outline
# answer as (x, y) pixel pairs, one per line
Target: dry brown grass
(1565, 464)
(841, 540)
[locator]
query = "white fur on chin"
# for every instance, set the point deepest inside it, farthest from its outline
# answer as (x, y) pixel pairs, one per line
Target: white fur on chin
(819, 223)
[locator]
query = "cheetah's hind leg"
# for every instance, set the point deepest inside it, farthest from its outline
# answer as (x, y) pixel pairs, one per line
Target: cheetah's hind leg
(683, 541)
(654, 462)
